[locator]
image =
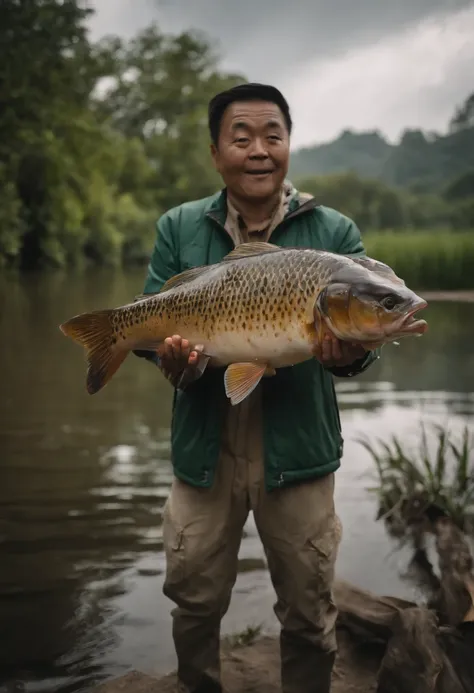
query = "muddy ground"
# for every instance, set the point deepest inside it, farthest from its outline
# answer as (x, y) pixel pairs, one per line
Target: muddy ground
(255, 668)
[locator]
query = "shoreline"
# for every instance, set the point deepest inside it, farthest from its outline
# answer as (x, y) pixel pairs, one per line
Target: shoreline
(383, 642)
(464, 296)
(255, 668)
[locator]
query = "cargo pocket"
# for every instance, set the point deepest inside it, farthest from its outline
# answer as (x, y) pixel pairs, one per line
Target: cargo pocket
(326, 546)
(174, 548)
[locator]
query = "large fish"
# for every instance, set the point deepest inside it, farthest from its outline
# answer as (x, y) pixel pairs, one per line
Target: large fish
(262, 307)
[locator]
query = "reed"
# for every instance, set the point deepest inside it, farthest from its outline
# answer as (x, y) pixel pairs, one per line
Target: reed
(426, 260)
(418, 485)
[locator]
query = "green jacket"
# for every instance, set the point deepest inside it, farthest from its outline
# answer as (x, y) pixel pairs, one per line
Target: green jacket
(301, 424)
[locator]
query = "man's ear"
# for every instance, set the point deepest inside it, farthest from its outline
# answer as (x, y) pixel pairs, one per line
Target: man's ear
(214, 155)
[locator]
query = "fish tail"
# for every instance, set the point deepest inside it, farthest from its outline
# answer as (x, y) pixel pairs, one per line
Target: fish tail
(95, 332)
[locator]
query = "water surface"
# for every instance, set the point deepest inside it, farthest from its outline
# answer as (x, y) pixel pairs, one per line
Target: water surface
(83, 481)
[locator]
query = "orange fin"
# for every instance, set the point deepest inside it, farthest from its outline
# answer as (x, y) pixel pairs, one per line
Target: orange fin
(241, 379)
(95, 332)
(269, 372)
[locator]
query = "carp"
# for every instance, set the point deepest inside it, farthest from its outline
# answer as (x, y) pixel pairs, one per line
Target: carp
(261, 308)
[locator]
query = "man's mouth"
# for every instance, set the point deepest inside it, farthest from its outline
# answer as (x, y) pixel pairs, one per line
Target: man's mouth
(260, 172)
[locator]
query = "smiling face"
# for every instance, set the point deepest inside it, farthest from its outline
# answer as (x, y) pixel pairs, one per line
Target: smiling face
(253, 150)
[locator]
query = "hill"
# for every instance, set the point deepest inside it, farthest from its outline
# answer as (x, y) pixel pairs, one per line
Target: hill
(421, 161)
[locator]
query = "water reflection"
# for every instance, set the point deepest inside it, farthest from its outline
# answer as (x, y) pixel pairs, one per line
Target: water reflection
(83, 481)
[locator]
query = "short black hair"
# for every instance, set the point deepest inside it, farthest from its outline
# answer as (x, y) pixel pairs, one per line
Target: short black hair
(249, 91)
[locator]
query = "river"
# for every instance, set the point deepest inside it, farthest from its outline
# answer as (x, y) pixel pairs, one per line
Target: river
(83, 481)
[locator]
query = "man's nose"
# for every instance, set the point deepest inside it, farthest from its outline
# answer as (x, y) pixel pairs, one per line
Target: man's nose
(259, 150)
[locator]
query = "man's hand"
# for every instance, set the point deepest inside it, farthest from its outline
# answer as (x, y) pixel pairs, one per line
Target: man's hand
(335, 352)
(176, 355)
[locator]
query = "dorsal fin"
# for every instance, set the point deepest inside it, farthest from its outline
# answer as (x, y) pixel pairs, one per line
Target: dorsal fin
(252, 248)
(141, 297)
(240, 251)
(185, 277)
(178, 279)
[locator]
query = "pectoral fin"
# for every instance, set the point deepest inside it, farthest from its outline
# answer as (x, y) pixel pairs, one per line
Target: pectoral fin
(241, 379)
(189, 375)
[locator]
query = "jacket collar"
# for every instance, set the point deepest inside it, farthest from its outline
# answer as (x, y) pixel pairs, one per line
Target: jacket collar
(218, 204)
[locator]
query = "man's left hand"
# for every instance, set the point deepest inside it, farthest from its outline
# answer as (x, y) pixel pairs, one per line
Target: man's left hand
(335, 352)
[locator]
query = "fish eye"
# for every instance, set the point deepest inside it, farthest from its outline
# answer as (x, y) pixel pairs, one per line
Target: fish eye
(389, 302)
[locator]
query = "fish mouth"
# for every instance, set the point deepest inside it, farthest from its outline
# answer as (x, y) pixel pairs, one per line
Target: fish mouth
(410, 324)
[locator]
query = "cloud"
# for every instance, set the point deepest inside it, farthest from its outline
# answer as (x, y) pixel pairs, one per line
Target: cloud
(265, 35)
(413, 79)
(342, 63)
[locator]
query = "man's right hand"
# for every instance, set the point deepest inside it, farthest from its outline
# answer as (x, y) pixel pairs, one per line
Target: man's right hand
(176, 355)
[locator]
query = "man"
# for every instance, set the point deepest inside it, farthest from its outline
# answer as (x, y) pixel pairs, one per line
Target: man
(276, 452)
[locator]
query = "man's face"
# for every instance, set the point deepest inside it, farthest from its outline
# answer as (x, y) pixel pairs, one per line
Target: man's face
(253, 150)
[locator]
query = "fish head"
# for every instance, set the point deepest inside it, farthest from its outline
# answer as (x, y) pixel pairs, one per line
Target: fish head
(363, 306)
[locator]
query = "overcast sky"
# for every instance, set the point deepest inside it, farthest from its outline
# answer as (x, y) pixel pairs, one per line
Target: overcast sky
(360, 64)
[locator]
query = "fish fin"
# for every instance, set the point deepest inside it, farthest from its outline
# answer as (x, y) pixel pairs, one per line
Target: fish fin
(241, 379)
(141, 297)
(189, 375)
(94, 331)
(177, 280)
(250, 249)
(269, 372)
(185, 277)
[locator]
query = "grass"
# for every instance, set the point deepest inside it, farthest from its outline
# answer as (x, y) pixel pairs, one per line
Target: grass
(426, 260)
(245, 637)
(416, 487)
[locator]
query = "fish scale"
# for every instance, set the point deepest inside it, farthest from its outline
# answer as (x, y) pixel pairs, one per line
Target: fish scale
(259, 309)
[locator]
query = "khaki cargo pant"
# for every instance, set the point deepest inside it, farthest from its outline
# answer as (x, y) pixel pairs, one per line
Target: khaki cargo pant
(300, 532)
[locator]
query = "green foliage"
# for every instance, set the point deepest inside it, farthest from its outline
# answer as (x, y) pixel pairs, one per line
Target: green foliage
(96, 140)
(415, 487)
(426, 260)
(464, 115)
(370, 204)
(363, 154)
(244, 638)
(374, 205)
(419, 161)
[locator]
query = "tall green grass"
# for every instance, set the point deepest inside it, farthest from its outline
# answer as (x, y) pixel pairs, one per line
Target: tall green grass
(414, 484)
(429, 260)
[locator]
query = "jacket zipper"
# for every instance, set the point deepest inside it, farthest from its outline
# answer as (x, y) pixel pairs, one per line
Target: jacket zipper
(306, 207)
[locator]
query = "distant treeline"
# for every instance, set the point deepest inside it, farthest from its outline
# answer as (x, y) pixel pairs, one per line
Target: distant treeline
(374, 205)
(98, 139)
(420, 161)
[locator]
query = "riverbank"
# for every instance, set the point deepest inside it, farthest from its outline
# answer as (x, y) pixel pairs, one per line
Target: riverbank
(441, 296)
(255, 668)
(384, 643)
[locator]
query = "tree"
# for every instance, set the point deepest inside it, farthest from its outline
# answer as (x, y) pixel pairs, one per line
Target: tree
(96, 139)
(45, 81)
(464, 115)
(158, 91)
